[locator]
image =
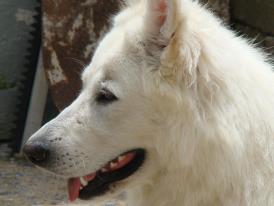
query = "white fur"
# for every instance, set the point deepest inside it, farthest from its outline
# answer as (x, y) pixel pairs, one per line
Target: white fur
(198, 98)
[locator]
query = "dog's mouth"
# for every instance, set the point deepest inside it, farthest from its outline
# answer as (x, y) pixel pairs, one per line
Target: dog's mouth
(98, 183)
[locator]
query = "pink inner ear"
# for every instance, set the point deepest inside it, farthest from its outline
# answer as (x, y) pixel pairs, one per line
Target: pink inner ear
(162, 9)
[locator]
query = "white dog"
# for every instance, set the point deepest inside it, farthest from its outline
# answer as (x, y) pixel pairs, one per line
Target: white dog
(175, 109)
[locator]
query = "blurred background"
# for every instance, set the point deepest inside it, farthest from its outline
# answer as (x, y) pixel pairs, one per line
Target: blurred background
(44, 47)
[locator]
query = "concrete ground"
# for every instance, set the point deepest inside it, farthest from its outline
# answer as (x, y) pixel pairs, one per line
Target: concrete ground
(21, 184)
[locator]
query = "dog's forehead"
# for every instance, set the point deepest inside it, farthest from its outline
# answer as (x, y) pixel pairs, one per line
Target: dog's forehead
(113, 55)
(107, 56)
(113, 52)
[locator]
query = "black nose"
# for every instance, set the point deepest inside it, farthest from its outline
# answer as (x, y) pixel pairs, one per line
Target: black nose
(37, 152)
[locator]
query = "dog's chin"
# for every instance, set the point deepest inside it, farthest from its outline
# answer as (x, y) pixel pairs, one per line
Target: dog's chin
(103, 181)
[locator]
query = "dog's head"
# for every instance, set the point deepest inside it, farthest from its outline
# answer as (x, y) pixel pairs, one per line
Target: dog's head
(109, 138)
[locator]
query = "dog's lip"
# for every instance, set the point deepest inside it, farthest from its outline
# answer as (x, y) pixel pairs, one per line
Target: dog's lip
(77, 184)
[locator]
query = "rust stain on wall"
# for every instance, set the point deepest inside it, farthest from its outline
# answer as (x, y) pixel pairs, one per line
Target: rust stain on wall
(71, 29)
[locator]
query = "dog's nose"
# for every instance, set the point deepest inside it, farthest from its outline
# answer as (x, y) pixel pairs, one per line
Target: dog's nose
(37, 152)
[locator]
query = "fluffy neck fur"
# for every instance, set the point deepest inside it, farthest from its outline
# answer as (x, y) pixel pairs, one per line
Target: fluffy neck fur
(225, 155)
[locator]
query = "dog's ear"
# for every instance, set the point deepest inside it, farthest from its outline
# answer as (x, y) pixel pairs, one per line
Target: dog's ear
(176, 46)
(163, 17)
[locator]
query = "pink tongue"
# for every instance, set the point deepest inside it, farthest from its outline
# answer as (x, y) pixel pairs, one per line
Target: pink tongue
(74, 185)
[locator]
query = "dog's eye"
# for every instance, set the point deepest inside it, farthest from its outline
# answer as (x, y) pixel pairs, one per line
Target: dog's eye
(105, 97)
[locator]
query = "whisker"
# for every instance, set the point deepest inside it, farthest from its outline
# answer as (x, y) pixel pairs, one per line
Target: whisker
(79, 62)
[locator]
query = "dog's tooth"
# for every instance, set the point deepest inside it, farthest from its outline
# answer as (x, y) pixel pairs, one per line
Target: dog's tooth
(113, 165)
(81, 188)
(121, 158)
(83, 181)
